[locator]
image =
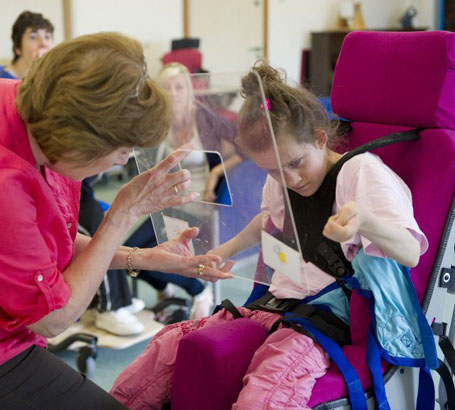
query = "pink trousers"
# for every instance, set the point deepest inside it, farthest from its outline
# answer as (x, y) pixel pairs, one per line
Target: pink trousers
(281, 374)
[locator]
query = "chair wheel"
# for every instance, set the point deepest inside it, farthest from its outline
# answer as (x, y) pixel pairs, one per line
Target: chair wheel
(178, 315)
(85, 361)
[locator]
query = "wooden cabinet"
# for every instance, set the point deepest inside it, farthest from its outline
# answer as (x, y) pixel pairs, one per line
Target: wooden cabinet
(325, 48)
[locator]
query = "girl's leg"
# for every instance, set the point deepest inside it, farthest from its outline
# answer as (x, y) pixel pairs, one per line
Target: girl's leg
(282, 372)
(146, 383)
(37, 379)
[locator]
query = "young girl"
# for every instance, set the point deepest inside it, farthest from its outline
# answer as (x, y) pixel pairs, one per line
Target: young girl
(370, 225)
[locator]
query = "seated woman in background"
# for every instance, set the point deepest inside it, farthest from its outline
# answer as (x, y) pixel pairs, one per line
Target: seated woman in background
(92, 115)
(33, 36)
(196, 123)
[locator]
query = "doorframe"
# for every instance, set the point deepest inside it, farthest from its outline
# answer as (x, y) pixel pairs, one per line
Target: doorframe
(67, 19)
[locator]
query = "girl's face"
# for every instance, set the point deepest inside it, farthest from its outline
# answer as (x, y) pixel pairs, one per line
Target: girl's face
(305, 165)
(75, 171)
(34, 44)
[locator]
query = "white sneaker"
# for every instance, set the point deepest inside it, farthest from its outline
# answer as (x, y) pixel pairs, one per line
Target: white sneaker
(119, 322)
(167, 292)
(202, 304)
(136, 306)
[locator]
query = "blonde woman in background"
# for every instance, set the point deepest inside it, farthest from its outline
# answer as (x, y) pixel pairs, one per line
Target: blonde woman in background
(199, 124)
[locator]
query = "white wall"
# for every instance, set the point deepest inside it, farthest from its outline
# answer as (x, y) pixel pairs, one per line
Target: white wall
(292, 21)
(156, 22)
(51, 9)
(153, 22)
(231, 32)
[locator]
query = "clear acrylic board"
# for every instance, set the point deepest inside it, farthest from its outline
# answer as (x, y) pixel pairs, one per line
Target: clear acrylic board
(225, 174)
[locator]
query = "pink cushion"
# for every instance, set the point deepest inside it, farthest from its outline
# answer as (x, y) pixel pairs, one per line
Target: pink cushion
(211, 363)
(401, 78)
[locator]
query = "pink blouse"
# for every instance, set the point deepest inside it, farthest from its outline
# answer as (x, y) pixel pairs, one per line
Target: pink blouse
(38, 226)
(366, 180)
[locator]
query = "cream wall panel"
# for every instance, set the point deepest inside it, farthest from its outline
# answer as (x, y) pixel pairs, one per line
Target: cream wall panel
(230, 32)
(153, 22)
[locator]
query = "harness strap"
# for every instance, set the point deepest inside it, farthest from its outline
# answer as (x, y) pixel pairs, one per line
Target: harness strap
(229, 306)
(448, 350)
(426, 393)
(292, 325)
(374, 364)
(440, 329)
(447, 379)
(293, 310)
(351, 378)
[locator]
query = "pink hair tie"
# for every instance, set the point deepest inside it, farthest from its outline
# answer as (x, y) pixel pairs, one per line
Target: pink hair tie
(267, 102)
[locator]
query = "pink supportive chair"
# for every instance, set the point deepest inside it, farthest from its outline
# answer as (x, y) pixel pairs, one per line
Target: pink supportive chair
(191, 58)
(385, 82)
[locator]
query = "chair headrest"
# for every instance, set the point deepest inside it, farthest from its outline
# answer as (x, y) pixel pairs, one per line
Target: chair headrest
(399, 78)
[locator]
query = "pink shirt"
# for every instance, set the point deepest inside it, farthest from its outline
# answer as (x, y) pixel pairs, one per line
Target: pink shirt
(38, 225)
(366, 180)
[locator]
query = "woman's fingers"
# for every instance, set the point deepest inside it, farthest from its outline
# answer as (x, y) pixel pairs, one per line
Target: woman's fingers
(178, 177)
(182, 200)
(189, 234)
(170, 161)
(206, 268)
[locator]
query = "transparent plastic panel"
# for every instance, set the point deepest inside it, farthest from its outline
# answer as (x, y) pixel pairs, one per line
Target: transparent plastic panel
(230, 177)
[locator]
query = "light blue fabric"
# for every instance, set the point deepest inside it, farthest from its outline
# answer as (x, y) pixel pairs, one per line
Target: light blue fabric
(397, 314)
(336, 300)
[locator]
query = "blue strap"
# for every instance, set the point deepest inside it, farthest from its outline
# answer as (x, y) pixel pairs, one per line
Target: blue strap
(374, 364)
(355, 389)
(426, 393)
(258, 291)
(426, 333)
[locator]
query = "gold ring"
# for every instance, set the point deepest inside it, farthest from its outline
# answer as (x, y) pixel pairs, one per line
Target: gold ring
(200, 269)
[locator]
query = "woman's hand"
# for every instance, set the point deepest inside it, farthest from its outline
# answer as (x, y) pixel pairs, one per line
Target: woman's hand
(175, 256)
(155, 189)
(345, 224)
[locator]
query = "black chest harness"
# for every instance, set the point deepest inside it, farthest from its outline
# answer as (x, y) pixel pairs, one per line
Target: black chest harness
(311, 215)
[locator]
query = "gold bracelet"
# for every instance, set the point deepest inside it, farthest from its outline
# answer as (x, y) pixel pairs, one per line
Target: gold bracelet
(132, 272)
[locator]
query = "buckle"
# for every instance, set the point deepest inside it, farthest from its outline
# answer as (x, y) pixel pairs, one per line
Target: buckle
(439, 329)
(279, 305)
